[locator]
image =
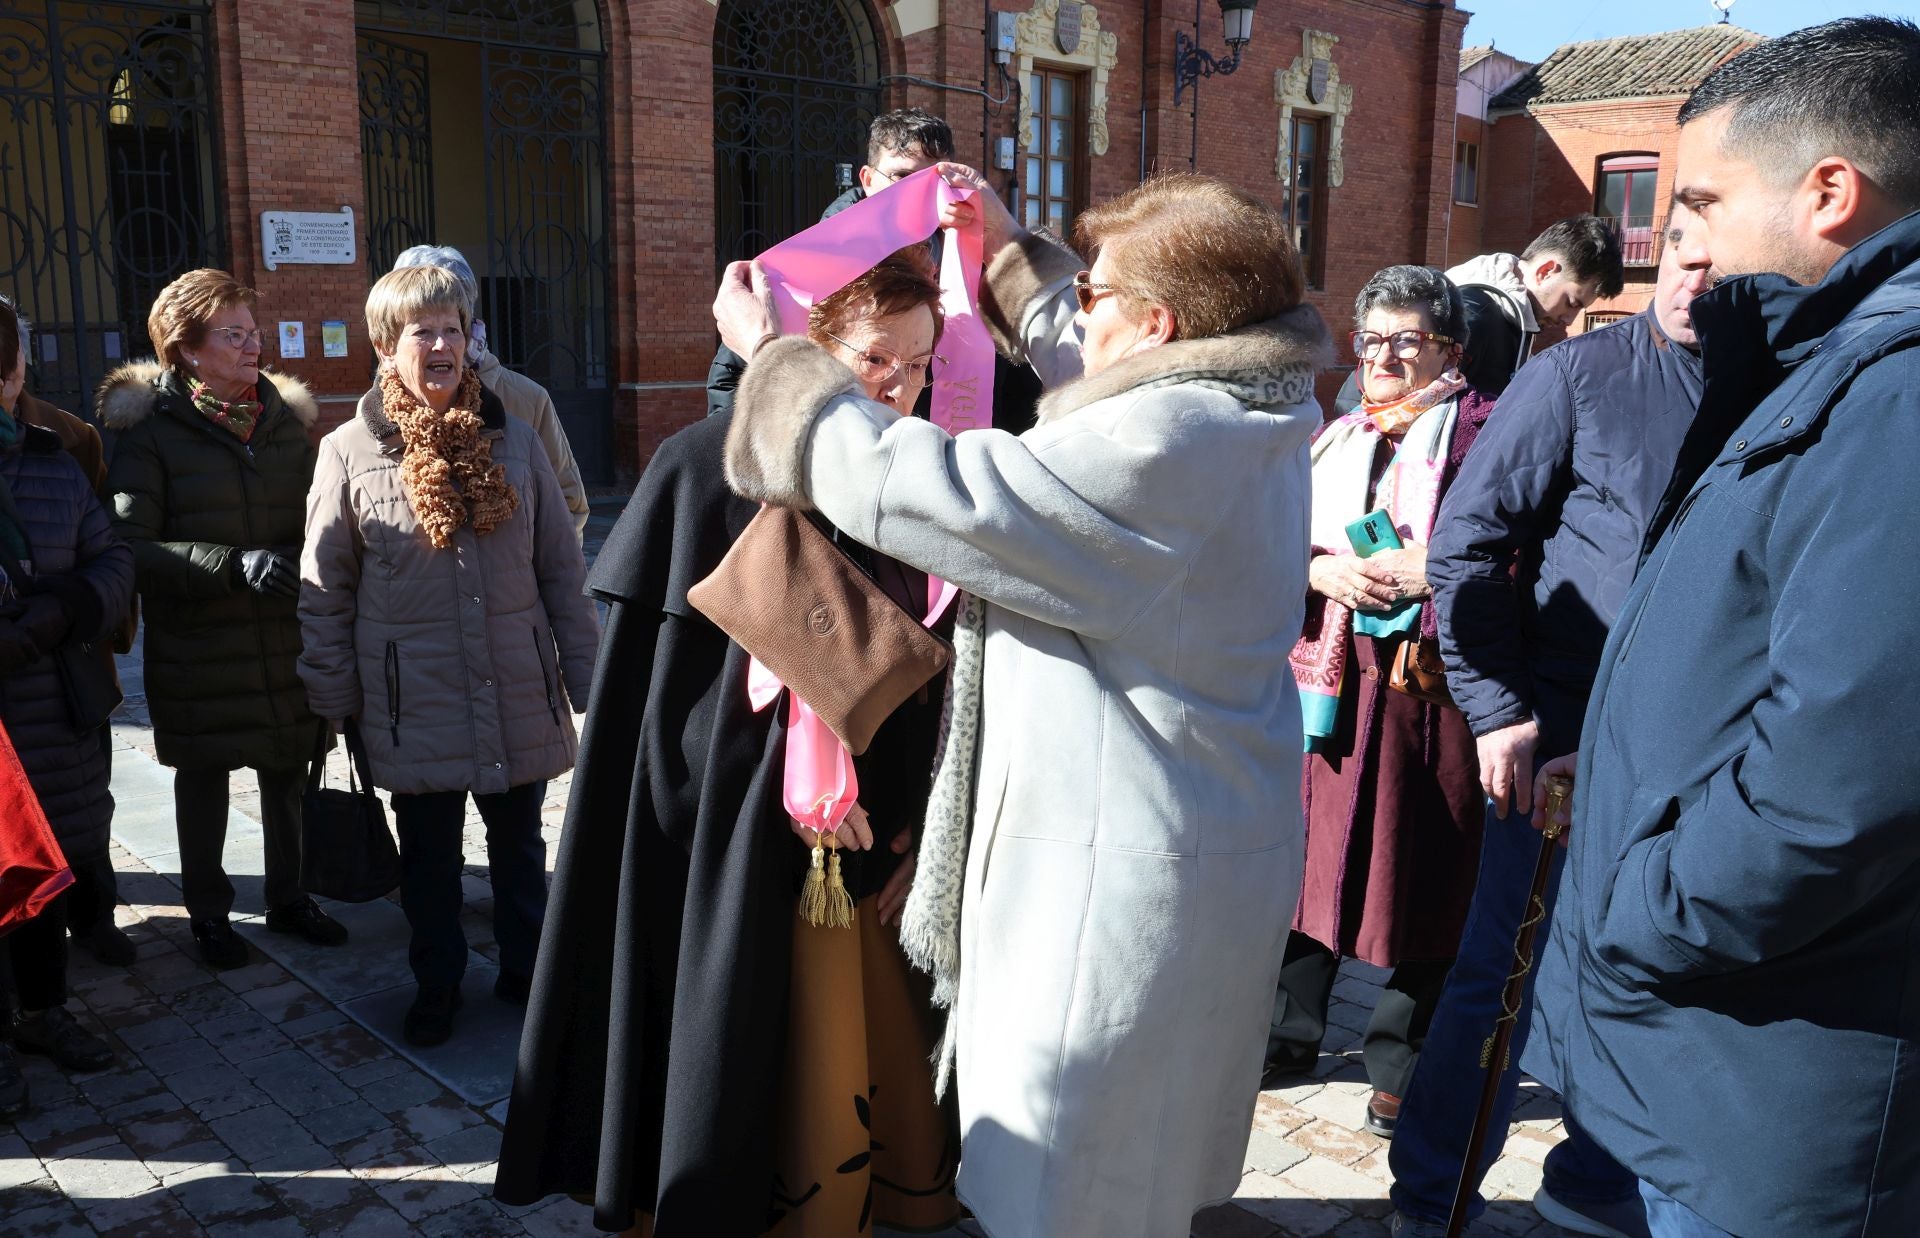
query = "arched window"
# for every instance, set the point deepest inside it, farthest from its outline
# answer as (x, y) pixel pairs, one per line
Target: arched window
(795, 85)
(1625, 194)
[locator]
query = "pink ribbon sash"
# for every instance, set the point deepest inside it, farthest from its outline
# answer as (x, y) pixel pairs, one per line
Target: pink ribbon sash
(819, 786)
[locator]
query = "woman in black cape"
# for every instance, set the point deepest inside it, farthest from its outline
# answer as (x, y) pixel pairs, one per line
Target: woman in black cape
(697, 1060)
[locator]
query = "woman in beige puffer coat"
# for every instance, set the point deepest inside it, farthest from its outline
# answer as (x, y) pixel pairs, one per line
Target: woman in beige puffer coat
(442, 615)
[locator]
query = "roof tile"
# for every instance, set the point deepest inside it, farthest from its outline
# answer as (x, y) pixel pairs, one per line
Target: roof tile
(1635, 66)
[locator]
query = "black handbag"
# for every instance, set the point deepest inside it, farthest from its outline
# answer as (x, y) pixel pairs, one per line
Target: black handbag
(346, 850)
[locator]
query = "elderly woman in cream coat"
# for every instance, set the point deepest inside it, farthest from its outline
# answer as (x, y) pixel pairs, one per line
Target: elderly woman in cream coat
(1124, 736)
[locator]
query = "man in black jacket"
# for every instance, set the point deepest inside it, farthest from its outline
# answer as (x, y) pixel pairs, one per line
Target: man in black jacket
(900, 143)
(1529, 563)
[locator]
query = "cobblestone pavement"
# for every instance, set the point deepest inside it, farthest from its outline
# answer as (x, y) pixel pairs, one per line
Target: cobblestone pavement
(278, 1099)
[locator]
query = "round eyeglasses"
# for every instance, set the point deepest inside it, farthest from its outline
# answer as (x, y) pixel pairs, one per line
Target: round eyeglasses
(874, 364)
(1405, 345)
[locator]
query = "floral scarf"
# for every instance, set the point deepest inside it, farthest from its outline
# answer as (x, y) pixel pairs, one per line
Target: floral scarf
(237, 417)
(447, 469)
(1393, 417)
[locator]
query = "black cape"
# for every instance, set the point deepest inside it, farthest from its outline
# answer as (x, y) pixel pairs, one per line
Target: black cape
(650, 1063)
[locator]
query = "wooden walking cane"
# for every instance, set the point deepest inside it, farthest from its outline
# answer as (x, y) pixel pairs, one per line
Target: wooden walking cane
(1493, 1053)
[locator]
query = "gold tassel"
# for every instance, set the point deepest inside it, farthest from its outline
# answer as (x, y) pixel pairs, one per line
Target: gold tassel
(839, 904)
(813, 895)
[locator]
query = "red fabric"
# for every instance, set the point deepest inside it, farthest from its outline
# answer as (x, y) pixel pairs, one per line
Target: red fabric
(33, 872)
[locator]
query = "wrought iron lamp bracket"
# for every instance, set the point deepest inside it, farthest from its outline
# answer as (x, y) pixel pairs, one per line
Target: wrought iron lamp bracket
(1191, 62)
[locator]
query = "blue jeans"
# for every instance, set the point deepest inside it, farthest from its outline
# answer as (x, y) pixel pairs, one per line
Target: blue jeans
(1430, 1143)
(1667, 1217)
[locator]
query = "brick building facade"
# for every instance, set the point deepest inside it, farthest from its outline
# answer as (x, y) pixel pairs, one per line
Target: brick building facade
(1591, 128)
(598, 159)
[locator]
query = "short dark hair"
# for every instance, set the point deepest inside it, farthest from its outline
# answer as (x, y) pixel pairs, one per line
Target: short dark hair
(1587, 246)
(13, 330)
(899, 132)
(1414, 287)
(1849, 88)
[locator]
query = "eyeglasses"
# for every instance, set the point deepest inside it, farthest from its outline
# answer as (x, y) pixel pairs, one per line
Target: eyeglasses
(1404, 345)
(876, 365)
(1086, 292)
(237, 337)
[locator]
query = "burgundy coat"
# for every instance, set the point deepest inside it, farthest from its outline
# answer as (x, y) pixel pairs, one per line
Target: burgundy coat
(1392, 800)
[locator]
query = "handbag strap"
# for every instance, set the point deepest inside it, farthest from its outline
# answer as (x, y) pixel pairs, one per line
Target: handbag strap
(357, 760)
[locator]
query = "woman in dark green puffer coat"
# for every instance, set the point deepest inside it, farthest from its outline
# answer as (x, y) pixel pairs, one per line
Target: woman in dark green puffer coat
(209, 482)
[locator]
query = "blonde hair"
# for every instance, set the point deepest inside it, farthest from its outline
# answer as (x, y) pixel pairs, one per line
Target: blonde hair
(180, 314)
(1217, 257)
(407, 295)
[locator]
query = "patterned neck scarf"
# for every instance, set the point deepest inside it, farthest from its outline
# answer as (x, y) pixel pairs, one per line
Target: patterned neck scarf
(447, 469)
(1393, 417)
(237, 417)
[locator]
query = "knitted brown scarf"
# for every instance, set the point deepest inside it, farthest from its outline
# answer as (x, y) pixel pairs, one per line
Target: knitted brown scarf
(447, 469)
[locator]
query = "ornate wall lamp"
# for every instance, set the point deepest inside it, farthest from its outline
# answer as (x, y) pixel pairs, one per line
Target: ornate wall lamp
(1191, 62)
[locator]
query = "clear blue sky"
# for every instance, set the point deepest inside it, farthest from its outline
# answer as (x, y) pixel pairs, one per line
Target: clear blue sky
(1530, 29)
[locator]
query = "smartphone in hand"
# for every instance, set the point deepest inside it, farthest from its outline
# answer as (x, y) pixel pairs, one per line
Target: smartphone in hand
(1373, 533)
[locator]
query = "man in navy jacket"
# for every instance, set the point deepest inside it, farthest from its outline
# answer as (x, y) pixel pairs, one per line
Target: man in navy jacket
(1738, 944)
(1530, 560)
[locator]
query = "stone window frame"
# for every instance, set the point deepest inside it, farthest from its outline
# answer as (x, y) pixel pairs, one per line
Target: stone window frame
(1290, 92)
(1098, 53)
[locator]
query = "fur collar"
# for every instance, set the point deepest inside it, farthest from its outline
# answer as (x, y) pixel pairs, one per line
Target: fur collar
(373, 415)
(1267, 365)
(128, 395)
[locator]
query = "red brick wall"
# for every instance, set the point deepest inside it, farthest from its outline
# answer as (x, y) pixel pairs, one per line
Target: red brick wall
(290, 139)
(289, 109)
(1547, 165)
(1467, 237)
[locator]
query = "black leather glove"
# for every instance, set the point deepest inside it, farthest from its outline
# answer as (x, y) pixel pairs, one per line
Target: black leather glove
(17, 649)
(44, 621)
(34, 628)
(270, 572)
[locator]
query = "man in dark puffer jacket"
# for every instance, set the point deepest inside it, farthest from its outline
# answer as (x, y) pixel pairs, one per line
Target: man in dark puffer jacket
(67, 579)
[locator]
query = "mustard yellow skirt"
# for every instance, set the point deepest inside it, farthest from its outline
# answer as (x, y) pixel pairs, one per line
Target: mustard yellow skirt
(860, 1141)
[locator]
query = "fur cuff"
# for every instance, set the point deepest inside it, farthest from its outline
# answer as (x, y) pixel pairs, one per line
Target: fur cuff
(1027, 268)
(783, 391)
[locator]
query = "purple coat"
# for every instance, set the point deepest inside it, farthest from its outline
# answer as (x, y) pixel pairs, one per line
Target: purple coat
(1392, 800)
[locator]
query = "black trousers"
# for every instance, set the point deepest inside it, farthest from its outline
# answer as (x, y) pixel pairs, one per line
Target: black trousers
(1395, 1031)
(94, 894)
(200, 816)
(33, 959)
(430, 827)
(95, 891)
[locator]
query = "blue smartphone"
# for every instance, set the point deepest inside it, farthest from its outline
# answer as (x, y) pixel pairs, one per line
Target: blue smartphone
(1373, 533)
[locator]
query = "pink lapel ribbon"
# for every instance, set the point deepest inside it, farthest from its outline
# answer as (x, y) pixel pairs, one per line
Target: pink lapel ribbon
(819, 786)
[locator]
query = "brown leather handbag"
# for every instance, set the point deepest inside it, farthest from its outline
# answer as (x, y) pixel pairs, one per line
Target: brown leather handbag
(788, 596)
(1418, 671)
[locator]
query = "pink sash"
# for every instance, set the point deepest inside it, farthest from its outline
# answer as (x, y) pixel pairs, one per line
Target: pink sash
(819, 786)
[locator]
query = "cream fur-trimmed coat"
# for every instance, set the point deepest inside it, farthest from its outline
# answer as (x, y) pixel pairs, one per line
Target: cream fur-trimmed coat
(1137, 843)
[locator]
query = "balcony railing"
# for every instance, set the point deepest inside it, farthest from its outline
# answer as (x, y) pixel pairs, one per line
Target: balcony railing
(1636, 234)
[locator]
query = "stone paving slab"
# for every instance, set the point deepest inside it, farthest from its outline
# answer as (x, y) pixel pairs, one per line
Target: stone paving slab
(278, 1098)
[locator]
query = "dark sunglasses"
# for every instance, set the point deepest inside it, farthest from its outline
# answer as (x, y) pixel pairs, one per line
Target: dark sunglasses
(1086, 292)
